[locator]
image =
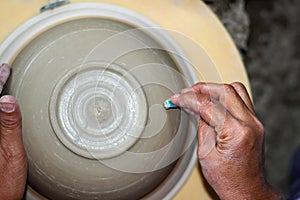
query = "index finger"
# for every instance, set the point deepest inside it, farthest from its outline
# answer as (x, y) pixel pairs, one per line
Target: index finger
(4, 74)
(226, 95)
(211, 111)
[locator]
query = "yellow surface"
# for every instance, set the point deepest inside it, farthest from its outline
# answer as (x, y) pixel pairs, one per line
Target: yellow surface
(189, 17)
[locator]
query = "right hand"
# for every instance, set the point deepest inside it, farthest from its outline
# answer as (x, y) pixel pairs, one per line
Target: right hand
(230, 139)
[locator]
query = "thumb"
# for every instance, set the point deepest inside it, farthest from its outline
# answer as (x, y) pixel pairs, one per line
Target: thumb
(206, 140)
(10, 126)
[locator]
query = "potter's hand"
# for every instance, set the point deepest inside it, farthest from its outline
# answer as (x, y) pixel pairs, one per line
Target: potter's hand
(13, 163)
(230, 139)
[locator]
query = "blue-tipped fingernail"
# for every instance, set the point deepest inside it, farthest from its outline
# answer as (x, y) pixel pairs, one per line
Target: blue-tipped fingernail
(169, 105)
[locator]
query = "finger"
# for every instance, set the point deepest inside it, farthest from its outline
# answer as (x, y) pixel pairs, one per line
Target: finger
(186, 90)
(206, 140)
(212, 112)
(242, 91)
(4, 74)
(10, 127)
(227, 96)
(190, 111)
(187, 101)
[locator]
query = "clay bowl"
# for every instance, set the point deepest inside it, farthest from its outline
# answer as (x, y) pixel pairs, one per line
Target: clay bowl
(90, 80)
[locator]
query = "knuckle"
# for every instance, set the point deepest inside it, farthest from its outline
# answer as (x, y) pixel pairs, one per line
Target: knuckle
(228, 92)
(204, 100)
(255, 124)
(238, 85)
(252, 131)
(10, 123)
(229, 89)
(197, 86)
(259, 126)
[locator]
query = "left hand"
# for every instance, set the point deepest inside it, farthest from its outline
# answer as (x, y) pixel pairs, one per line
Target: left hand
(13, 161)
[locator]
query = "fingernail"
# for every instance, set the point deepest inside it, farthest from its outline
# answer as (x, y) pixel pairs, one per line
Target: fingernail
(7, 104)
(169, 105)
(175, 97)
(4, 65)
(7, 107)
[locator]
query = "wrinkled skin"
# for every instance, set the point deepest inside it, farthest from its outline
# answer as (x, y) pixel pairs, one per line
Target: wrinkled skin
(231, 140)
(13, 162)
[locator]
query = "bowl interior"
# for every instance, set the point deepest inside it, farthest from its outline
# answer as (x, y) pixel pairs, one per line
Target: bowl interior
(91, 91)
